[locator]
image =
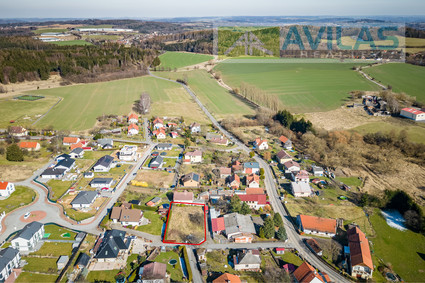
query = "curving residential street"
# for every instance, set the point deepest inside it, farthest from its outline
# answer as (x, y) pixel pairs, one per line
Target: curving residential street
(294, 238)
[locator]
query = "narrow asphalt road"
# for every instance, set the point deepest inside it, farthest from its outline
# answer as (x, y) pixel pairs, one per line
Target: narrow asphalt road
(294, 238)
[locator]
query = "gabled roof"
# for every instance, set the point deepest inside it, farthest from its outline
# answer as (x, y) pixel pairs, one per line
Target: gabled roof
(68, 163)
(123, 214)
(254, 191)
(413, 110)
(84, 197)
(252, 177)
(101, 181)
(251, 165)
(306, 273)
(133, 126)
(283, 155)
(359, 248)
(104, 161)
(3, 185)
(158, 120)
(164, 145)
(235, 222)
(227, 278)
(217, 224)
(194, 153)
(53, 172)
(260, 199)
(225, 171)
(29, 230)
(259, 141)
(133, 116)
(28, 144)
(283, 139)
(191, 177)
(70, 140)
(183, 196)
(314, 245)
(301, 187)
(302, 175)
(195, 124)
(218, 140)
(17, 129)
(249, 258)
(157, 160)
(327, 225)
(234, 177)
(6, 256)
(112, 243)
(290, 163)
(154, 270)
(77, 150)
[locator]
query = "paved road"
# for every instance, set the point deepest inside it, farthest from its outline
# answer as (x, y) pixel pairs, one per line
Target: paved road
(193, 262)
(294, 238)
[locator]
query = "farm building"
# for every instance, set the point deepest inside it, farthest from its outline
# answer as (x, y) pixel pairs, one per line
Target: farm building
(360, 258)
(317, 225)
(412, 113)
(30, 146)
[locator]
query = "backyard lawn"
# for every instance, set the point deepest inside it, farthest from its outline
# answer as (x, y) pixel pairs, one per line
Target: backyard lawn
(45, 265)
(58, 188)
(20, 197)
(155, 227)
(25, 277)
(54, 249)
(56, 231)
(175, 272)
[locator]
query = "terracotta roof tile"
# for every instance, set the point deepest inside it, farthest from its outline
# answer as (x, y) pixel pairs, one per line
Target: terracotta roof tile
(318, 223)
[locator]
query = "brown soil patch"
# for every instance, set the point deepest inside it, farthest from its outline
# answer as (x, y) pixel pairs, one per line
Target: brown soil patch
(155, 178)
(16, 173)
(186, 224)
(342, 118)
(36, 215)
(19, 88)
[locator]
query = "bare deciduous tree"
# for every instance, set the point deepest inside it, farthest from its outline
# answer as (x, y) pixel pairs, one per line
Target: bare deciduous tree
(142, 106)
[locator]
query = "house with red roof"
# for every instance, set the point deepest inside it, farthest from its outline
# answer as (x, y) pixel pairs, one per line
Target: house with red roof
(301, 176)
(171, 125)
(261, 144)
(252, 181)
(133, 129)
(361, 264)
(280, 251)
(286, 143)
(159, 133)
(224, 172)
(6, 189)
(30, 146)
(158, 123)
(291, 167)
(412, 113)
(227, 278)
(254, 201)
(282, 157)
(254, 191)
(81, 144)
(317, 225)
(174, 134)
(70, 140)
(234, 181)
(133, 118)
(307, 274)
(217, 225)
(237, 167)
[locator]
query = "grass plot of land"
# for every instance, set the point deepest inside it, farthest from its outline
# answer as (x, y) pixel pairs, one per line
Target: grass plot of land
(180, 59)
(20, 197)
(302, 87)
(186, 224)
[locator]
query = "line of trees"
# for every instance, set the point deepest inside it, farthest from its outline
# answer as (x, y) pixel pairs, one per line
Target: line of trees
(289, 121)
(259, 96)
(24, 58)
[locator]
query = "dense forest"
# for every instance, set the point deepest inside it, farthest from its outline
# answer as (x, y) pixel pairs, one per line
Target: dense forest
(23, 58)
(193, 41)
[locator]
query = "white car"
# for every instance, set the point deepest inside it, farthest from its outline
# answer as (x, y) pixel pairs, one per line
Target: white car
(27, 215)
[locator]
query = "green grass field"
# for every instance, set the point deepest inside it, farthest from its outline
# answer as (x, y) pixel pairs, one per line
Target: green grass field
(302, 87)
(403, 250)
(180, 59)
(54, 249)
(82, 104)
(45, 265)
(155, 227)
(402, 77)
(58, 188)
(20, 197)
(217, 99)
(56, 231)
(176, 274)
(35, 277)
(17, 110)
(415, 131)
(71, 42)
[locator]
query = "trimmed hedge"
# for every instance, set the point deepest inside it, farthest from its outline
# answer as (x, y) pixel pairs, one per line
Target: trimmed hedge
(187, 263)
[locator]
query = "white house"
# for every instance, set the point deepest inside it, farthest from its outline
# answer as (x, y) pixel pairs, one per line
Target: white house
(317, 171)
(28, 238)
(301, 189)
(291, 166)
(84, 199)
(193, 157)
(195, 127)
(412, 113)
(158, 123)
(9, 260)
(104, 164)
(6, 189)
(52, 173)
(128, 153)
(301, 176)
(133, 129)
(248, 261)
(133, 118)
(101, 182)
(77, 153)
(261, 144)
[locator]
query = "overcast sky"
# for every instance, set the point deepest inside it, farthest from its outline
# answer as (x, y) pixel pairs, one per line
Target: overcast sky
(200, 8)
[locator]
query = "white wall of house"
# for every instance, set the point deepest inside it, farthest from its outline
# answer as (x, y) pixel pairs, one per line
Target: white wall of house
(10, 188)
(362, 271)
(28, 245)
(100, 168)
(7, 270)
(247, 266)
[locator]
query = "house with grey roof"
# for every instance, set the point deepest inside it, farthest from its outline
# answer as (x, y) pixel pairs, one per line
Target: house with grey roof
(9, 260)
(62, 261)
(113, 244)
(52, 173)
(77, 152)
(104, 143)
(66, 164)
(82, 261)
(104, 164)
(62, 157)
(27, 239)
(101, 182)
(237, 224)
(164, 146)
(247, 261)
(156, 162)
(84, 199)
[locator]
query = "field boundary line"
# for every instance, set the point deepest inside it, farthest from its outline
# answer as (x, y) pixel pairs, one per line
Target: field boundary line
(42, 116)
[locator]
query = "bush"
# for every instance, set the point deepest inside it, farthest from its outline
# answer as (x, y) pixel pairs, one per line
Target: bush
(14, 153)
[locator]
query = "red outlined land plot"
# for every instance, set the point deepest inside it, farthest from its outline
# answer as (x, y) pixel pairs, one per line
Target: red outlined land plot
(186, 224)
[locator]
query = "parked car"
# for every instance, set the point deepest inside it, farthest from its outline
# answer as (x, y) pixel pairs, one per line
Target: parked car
(27, 215)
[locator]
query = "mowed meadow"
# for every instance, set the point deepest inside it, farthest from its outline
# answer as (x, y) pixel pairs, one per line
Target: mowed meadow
(82, 104)
(302, 87)
(181, 59)
(402, 77)
(219, 101)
